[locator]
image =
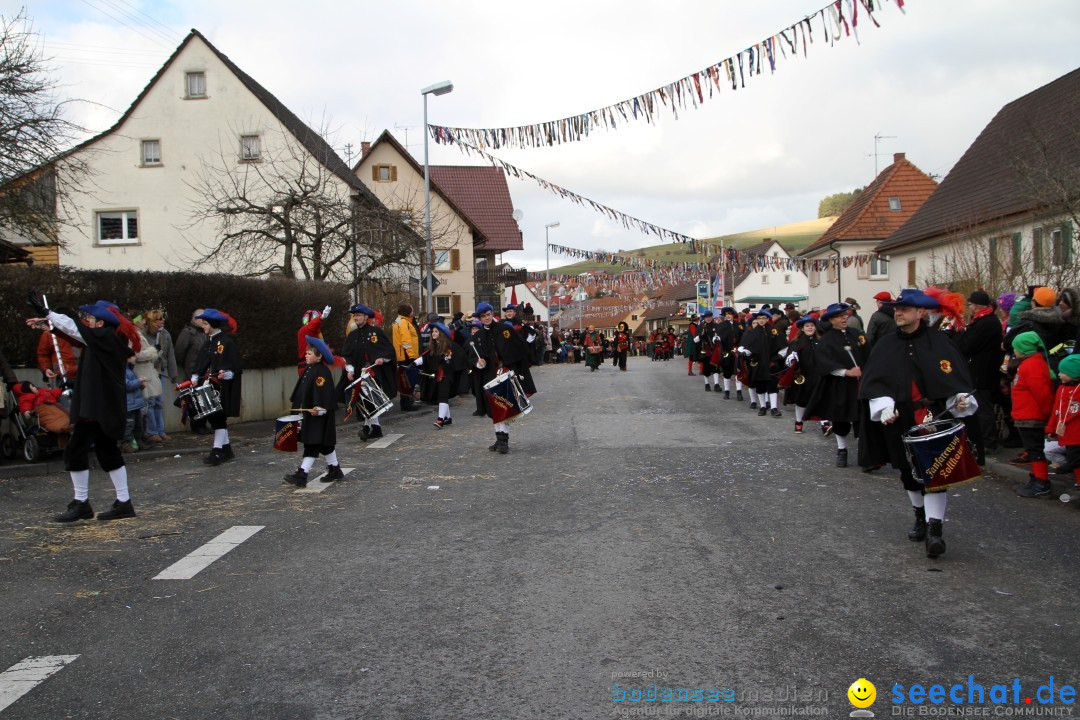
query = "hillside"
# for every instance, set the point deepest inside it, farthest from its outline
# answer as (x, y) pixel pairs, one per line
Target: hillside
(794, 237)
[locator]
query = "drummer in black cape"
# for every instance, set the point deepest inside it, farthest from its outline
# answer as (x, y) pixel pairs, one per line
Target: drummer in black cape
(911, 370)
(366, 346)
(441, 361)
(707, 334)
(508, 348)
(801, 359)
(729, 334)
(838, 362)
(761, 345)
(98, 404)
(220, 363)
(315, 398)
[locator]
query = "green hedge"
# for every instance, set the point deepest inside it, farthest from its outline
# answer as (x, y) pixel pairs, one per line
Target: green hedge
(267, 312)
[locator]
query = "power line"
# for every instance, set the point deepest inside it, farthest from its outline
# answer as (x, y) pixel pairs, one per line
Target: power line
(139, 21)
(173, 35)
(154, 40)
(99, 48)
(79, 61)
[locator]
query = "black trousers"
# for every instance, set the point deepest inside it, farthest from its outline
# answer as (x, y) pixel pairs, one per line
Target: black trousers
(217, 420)
(317, 450)
(83, 436)
(1033, 442)
(620, 359)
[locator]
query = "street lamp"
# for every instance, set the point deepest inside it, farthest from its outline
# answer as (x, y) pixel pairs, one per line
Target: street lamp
(440, 88)
(547, 273)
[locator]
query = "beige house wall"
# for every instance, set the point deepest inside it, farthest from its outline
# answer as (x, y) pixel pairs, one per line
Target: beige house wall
(448, 230)
(852, 283)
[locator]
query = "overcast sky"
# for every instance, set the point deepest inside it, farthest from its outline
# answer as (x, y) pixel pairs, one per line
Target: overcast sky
(762, 156)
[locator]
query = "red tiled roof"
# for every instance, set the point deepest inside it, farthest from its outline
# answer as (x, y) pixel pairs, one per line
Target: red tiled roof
(683, 291)
(869, 217)
(985, 185)
(481, 191)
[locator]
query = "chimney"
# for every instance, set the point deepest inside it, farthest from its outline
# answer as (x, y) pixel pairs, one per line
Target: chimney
(897, 157)
(365, 148)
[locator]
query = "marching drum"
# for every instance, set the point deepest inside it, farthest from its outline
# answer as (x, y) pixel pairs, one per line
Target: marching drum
(506, 398)
(287, 433)
(203, 400)
(368, 399)
(939, 454)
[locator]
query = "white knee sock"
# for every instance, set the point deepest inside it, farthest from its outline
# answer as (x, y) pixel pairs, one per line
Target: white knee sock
(738, 384)
(221, 438)
(727, 384)
(119, 483)
(374, 422)
(774, 400)
(81, 480)
(331, 459)
(502, 427)
(800, 412)
(444, 410)
(753, 395)
(706, 378)
(935, 505)
(716, 379)
(307, 463)
(916, 498)
(841, 443)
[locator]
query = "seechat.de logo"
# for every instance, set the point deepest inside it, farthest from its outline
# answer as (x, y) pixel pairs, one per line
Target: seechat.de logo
(861, 695)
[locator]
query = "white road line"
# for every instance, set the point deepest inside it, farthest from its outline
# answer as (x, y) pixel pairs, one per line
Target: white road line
(190, 565)
(24, 676)
(384, 441)
(317, 486)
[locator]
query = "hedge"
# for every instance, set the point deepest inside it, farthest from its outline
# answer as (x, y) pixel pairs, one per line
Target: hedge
(268, 312)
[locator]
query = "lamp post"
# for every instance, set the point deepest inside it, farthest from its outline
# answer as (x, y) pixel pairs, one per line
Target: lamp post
(439, 88)
(547, 262)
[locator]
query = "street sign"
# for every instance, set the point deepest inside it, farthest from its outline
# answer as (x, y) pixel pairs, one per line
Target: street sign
(432, 282)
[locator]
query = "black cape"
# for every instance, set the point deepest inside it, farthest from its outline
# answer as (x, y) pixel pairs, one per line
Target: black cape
(837, 398)
(513, 353)
(220, 353)
(100, 394)
(763, 343)
(315, 388)
(806, 347)
(363, 347)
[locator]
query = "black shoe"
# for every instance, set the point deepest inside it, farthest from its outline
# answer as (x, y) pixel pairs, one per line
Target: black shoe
(408, 407)
(708, 387)
(204, 430)
(333, 472)
(917, 533)
(365, 432)
(872, 468)
(727, 394)
(215, 458)
(118, 511)
(298, 478)
(448, 421)
(1035, 489)
(495, 445)
(1023, 458)
(753, 405)
(935, 544)
(776, 412)
(227, 453)
(762, 410)
(690, 373)
(76, 510)
(738, 395)
(479, 413)
(798, 427)
(826, 428)
(503, 443)
(375, 433)
(841, 458)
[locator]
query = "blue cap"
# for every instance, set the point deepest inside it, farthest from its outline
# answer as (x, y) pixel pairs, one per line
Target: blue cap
(803, 320)
(763, 313)
(101, 312)
(726, 309)
(834, 310)
(483, 308)
(477, 325)
(107, 304)
(322, 348)
(442, 329)
(212, 315)
(707, 313)
(912, 297)
(362, 310)
(511, 306)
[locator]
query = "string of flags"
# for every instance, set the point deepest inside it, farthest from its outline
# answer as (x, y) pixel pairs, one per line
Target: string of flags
(836, 20)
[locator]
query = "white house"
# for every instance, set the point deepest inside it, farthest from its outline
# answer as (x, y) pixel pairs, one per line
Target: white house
(767, 279)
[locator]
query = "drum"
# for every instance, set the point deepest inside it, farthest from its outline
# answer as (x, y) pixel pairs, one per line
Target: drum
(939, 454)
(205, 401)
(367, 398)
(287, 433)
(506, 398)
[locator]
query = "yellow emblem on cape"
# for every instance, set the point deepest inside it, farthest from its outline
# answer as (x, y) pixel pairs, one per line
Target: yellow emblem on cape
(506, 334)
(374, 338)
(220, 348)
(946, 366)
(320, 381)
(862, 339)
(774, 331)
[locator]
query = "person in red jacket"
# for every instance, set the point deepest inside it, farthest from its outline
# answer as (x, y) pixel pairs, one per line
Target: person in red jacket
(1064, 421)
(312, 327)
(1032, 396)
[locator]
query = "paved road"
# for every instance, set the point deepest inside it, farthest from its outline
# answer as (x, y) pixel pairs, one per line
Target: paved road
(639, 525)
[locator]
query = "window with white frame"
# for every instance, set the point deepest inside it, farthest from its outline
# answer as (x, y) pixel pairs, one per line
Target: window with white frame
(442, 304)
(815, 277)
(250, 148)
(118, 227)
(879, 268)
(151, 152)
(787, 279)
(833, 273)
(442, 260)
(195, 84)
(894, 204)
(764, 279)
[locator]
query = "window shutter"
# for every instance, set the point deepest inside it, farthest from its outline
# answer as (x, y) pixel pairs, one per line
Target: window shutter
(1066, 244)
(1037, 248)
(863, 270)
(455, 259)
(911, 272)
(375, 173)
(994, 265)
(393, 173)
(455, 303)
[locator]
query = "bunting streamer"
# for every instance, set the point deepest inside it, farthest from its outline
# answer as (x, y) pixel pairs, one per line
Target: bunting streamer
(835, 21)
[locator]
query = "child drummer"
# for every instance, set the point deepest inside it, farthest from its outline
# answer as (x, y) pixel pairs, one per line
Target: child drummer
(314, 398)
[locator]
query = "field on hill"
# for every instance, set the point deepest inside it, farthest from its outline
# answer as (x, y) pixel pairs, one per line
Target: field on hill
(794, 237)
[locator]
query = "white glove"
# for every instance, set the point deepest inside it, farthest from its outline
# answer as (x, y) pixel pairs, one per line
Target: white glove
(319, 410)
(418, 361)
(350, 368)
(697, 338)
(227, 375)
(530, 339)
(889, 414)
(744, 351)
(791, 358)
(194, 379)
(325, 312)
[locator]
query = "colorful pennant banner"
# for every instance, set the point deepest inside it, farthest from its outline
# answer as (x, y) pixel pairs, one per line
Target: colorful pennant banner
(835, 21)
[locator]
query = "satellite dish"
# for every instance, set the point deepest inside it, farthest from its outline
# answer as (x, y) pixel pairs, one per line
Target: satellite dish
(518, 214)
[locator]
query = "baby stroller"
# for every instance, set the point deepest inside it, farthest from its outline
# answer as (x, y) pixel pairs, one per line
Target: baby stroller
(26, 436)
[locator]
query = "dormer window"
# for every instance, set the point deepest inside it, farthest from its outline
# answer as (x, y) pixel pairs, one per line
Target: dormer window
(195, 85)
(894, 204)
(250, 148)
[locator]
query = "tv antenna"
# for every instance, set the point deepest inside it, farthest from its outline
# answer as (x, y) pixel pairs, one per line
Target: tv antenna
(876, 155)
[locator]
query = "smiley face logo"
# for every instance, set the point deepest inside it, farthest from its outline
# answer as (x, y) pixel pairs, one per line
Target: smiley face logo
(862, 693)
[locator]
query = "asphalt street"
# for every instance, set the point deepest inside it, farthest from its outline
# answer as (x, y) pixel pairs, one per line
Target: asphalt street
(640, 531)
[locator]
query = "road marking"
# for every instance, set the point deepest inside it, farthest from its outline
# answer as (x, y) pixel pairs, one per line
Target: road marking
(384, 441)
(24, 676)
(193, 563)
(317, 486)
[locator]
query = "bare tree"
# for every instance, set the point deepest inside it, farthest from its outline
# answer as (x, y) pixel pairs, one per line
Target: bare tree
(35, 185)
(277, 208)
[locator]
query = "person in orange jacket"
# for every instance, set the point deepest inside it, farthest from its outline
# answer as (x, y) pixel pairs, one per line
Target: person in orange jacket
(407, 348)
(47, 361)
